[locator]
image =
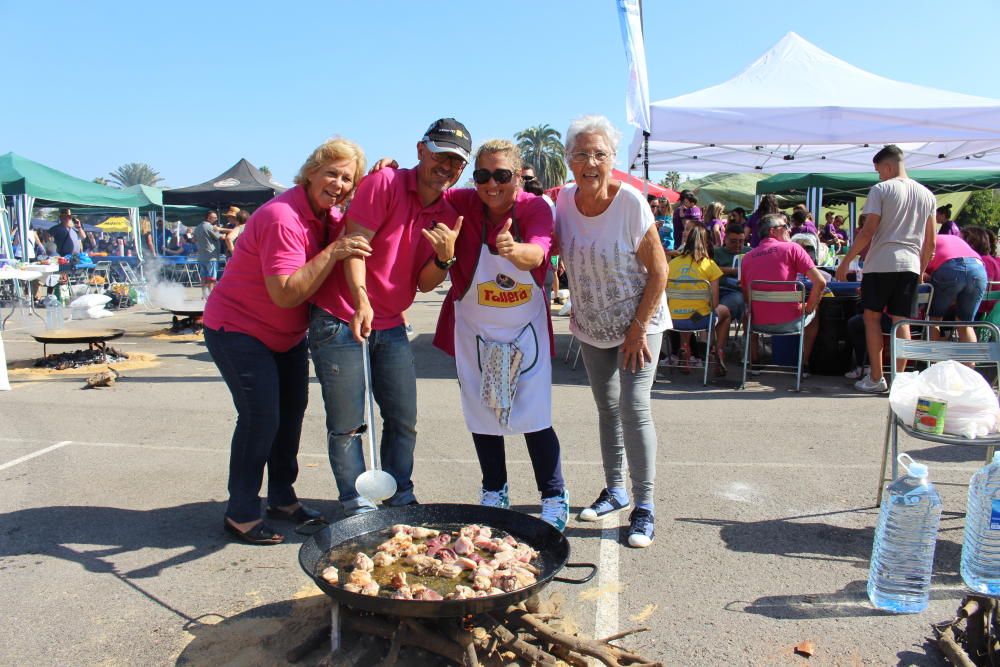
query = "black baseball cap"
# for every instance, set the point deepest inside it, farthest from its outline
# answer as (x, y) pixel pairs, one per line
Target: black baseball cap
(447, 135)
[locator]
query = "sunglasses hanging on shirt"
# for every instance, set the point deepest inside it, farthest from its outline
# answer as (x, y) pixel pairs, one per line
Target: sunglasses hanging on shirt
(501, 176)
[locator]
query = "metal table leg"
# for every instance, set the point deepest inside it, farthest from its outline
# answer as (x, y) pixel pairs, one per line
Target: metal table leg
(334, 627)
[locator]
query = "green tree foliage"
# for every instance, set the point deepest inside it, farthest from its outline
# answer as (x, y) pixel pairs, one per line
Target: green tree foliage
(983, 209)
(672, 180)
(542, 148)
(135, 173)
(264, 169)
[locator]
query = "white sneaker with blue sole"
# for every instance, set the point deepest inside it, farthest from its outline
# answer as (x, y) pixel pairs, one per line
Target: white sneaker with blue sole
(499, 498)
(555, 510)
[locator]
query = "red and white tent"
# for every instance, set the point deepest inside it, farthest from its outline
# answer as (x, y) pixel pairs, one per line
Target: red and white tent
(672, 196)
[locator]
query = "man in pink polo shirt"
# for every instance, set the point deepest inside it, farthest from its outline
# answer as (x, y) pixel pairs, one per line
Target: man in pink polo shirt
(777, 258)
(409, 225)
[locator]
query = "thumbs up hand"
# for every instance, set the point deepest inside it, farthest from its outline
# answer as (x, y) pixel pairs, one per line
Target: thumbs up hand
(505, 240)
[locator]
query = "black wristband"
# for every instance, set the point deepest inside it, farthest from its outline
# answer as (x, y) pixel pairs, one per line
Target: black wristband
(444, 266)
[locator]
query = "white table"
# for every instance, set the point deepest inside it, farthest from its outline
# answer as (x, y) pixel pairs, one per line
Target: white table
(15, 276)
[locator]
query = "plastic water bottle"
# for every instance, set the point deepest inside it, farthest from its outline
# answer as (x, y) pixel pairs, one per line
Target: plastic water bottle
(53, 313)
(981, 544)
(899, 578)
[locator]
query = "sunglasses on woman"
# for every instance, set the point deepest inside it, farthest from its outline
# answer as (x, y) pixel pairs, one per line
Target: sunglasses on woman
(501, 176)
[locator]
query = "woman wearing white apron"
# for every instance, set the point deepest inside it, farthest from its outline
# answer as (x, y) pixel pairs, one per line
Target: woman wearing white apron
(495, 321)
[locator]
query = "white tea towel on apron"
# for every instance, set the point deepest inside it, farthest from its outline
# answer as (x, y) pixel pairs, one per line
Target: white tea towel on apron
(503, 310)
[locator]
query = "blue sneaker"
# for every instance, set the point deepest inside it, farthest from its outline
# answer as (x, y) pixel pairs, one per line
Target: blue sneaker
(604, 505)
(499, 498)
(555, 510)
(640, 529)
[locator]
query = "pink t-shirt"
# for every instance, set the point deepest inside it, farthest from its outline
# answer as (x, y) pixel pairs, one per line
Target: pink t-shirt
(387, 203)
(278, 239)
(774, 260)
(948, 247)
(534, 225)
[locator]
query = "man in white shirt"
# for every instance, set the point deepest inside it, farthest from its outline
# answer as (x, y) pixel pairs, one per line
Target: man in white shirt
(900, 233)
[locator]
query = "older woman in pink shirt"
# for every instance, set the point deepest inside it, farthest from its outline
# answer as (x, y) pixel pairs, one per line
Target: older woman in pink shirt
(255, 329)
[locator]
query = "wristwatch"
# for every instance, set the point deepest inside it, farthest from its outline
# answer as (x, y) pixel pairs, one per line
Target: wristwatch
(444, 266)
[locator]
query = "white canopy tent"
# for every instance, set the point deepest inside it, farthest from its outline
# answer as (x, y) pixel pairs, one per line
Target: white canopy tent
(799, 109)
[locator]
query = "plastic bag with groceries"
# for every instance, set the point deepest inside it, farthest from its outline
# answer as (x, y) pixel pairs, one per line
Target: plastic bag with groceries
(972, 411)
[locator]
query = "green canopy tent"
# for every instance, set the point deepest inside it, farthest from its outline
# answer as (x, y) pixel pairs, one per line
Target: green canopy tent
(730, 190)
(29, 183)
(844, 188)
(6, 247)
(829, 189)
(155, 207)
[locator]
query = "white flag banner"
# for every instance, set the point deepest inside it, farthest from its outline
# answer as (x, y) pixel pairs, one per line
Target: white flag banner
(637, 98)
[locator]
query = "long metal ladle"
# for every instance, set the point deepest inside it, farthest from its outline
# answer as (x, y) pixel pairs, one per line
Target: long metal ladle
(374, 484)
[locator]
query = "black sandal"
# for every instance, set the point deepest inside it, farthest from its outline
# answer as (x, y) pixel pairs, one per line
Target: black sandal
(302, 516)
(261, 534)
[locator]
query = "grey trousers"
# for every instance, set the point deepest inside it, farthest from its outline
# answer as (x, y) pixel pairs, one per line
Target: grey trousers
(624, 418)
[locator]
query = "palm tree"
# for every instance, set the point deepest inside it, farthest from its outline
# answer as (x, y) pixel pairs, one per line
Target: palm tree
(264, 169)
(542, 149)
(672, 180)
(135, 173)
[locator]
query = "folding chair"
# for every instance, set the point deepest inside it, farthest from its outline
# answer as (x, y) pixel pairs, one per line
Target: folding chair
(698, 290)
(137, 281)
(992, 294)
(794, 292)
(932, 351)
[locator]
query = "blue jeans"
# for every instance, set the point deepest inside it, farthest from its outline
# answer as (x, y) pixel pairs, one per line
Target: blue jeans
(337, 358)
(270, 391)
(733, 300)
(960, 282)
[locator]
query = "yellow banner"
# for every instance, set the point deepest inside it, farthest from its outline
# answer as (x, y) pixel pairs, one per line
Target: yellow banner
(494, 296)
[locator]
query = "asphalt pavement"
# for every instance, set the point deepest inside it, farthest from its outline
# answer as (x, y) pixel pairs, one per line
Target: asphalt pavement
(112, 550)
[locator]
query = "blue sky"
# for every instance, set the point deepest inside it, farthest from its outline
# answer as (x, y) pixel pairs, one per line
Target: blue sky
(192, 87)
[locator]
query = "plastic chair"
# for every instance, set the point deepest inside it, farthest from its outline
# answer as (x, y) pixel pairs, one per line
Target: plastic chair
(795, 292)
(933, 351)
(700, 290)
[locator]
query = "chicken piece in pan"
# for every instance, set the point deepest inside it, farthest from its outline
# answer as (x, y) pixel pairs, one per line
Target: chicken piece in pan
(360, 577)
(461, 593)
(363, 562)
(398, 581)
(383, 559)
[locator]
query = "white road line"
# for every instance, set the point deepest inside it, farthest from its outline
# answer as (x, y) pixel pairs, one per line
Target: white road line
(607, 579)
(28, 457)
(972, 467)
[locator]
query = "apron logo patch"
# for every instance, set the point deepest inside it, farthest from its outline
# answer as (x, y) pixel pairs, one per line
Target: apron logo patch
(503, 292)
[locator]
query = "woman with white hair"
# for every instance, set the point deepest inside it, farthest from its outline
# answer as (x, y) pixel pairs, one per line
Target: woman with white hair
(617, 274)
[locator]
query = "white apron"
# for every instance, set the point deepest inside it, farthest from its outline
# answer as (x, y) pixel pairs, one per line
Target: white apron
(503, 304)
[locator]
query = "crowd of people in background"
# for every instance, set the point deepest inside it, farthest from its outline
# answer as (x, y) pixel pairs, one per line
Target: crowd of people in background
(328, 268)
